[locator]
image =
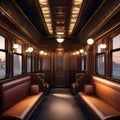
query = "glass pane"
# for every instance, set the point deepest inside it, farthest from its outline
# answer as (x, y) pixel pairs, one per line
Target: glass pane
(82, 64)
(28, 64)
(100, 50)
(2, 64)
(101, 64)
(116, 64)
(17, 65)
(116, 42)
(2, 42)
(59, 61)
(18, 49)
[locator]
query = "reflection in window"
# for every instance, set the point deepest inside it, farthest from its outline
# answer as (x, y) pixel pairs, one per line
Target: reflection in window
(17, 60)
(2, 42)
(115, 59)
(100, 50)
(2, 58)
(116, 42)
(116, 64)
(17, 66)
(2, 64)
(28, 64)
(100, 64)
(18, 49)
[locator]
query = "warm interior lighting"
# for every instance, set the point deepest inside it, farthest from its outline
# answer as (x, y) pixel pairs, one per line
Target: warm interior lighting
(60, 40)
(81, 51)
(77, 52)
(46, 13)
(90, 41)
(74, 15)
(45, 53)
(30, 49)
(60, 33)
(103, 46)
(41, 52)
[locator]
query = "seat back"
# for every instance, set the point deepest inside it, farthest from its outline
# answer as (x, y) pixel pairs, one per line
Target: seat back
(13, 91)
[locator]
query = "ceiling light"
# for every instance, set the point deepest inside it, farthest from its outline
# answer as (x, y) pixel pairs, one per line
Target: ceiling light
(46, 13)
(60, 33)
(30, 49)
(60, 40)
(103, 46)
(41, 52)
(90, 41)
(77, 52)
(81, 51)
(45, 53)
(74, 15)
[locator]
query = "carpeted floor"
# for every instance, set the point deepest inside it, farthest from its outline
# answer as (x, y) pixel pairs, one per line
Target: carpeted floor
(60, 104)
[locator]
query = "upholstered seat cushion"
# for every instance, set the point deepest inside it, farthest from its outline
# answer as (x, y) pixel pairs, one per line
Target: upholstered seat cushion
(102, 109)
(34, 89)
(88, 89)
(21, 109)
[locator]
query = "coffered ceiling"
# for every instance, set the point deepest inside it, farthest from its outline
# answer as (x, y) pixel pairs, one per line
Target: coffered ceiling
(73, 20)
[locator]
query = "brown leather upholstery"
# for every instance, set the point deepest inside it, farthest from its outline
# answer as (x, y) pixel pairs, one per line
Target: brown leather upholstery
(105, 103)
(108, 91)
(23, 108)
(16, 101)
(81, 80)
(13, 91)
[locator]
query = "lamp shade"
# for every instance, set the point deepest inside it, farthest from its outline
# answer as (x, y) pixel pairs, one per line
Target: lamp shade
(90, 41)
(81, 51)
(60, 40)
(30, 49)
(103, 46)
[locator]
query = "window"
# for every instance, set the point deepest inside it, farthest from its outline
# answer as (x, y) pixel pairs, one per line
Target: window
(100, 64)
(100, 60)
(17, 60)
(29, 62)
(2, 57)
(115, 57)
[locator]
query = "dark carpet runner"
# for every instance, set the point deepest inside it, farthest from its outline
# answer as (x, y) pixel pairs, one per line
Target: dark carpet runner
(60, 104)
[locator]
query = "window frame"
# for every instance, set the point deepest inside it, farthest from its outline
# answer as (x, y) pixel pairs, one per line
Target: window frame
(5, 50)
(111, 52)
(20, 54)
(96, 68)
(29, 55)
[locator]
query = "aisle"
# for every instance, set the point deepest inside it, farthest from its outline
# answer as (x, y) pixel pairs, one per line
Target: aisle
(58, 105)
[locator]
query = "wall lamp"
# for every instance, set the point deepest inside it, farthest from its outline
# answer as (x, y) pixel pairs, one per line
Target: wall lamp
(29, 49)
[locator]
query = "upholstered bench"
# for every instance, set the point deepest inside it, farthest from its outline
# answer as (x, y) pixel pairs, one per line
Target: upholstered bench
(105, 101)
(18, 98)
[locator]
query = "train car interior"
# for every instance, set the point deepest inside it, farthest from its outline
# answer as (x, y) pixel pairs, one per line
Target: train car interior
(59, 59)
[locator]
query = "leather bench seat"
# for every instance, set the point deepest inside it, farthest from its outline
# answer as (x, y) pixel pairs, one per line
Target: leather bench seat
(19, 98)
(104, 102)
(102, 109)
(21, 109)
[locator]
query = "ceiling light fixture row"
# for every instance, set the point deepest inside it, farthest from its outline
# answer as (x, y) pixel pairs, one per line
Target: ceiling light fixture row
(74, 15)
(90, 41)
(46, 13)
